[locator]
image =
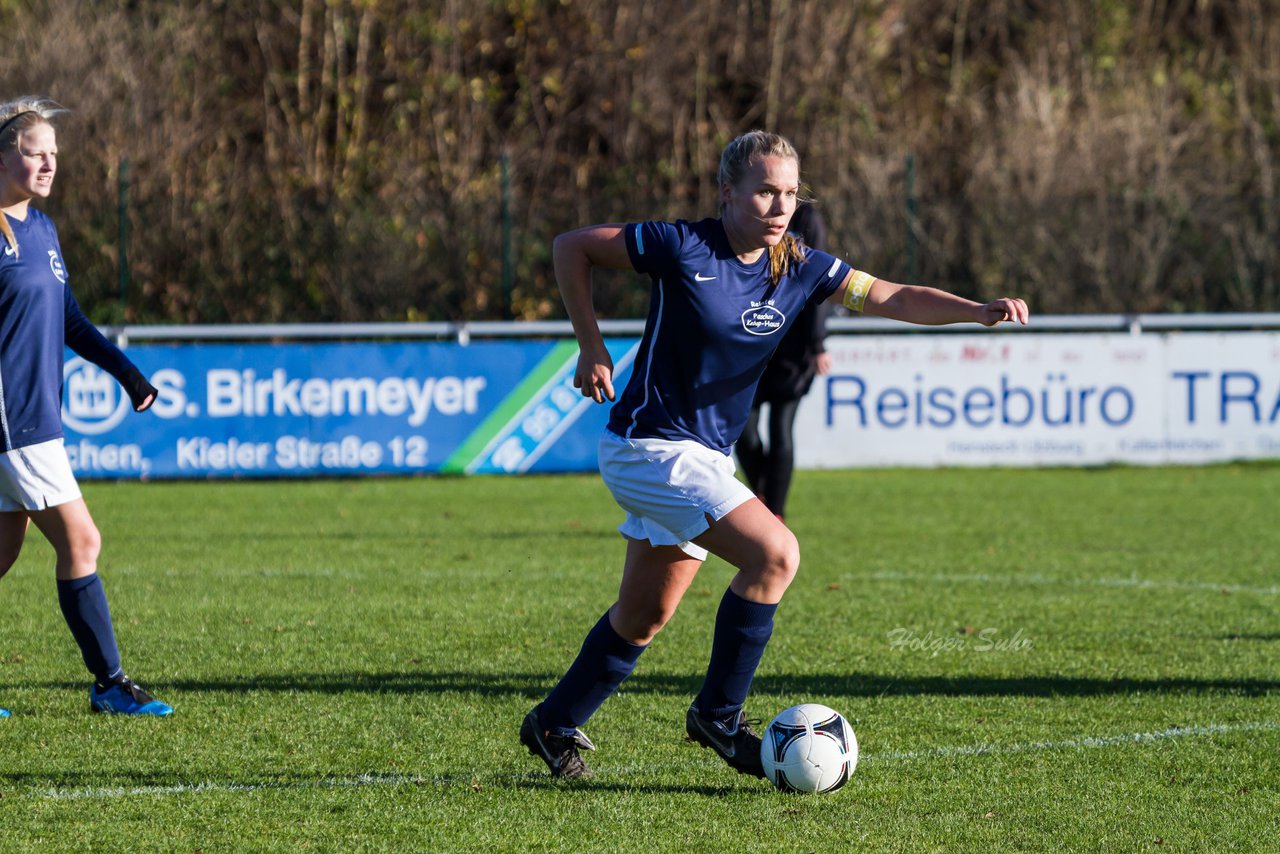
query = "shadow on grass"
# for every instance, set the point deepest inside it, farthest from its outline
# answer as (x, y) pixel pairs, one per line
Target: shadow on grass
(545, 782)
(71, 785)
(535, 685)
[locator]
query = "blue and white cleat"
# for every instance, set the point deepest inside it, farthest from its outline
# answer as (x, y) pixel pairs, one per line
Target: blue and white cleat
(126, 698)
(4, 713)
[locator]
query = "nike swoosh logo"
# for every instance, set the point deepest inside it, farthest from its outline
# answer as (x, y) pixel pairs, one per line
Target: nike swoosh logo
(8, 250)
(726, 745)
(698, 277)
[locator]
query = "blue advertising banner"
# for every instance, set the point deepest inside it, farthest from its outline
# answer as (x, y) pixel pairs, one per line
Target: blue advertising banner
(508, 407)
(264, 410)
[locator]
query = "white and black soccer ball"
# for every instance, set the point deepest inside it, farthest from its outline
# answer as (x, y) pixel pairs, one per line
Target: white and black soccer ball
(809, 748)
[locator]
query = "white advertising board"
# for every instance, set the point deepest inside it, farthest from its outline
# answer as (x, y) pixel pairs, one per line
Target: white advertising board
(1027, 399)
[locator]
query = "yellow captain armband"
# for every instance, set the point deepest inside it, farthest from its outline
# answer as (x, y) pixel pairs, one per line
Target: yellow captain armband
(855, 293)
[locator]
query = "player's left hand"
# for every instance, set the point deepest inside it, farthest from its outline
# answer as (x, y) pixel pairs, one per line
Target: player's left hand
(1008, 308)
(140, 390)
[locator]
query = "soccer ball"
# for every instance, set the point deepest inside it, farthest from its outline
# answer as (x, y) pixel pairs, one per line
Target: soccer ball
(809, 748)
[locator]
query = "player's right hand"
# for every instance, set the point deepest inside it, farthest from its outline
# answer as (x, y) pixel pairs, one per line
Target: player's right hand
(594, 376)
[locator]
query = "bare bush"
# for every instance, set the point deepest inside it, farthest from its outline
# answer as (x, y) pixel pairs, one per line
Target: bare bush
(345, 159)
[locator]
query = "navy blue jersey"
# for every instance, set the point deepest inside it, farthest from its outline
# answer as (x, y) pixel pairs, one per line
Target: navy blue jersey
(713, 324)
(38, 318)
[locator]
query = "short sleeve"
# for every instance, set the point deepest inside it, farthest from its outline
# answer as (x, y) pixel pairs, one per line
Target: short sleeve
(654, 247)
(833, 274)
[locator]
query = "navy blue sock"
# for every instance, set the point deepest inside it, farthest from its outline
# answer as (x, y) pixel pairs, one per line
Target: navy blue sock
(84, 606)
(743, 628)
(604, 661)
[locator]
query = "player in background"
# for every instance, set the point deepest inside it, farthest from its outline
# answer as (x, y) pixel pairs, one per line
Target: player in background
(724, 291)
(38, 317)
(800, 356)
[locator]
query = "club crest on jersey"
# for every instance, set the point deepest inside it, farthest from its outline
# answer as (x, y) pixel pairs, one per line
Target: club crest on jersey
(762, 318)
(55, 264)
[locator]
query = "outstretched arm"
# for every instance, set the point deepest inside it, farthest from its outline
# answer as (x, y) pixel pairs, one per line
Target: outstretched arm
(924, 305)
(86, 341)
(574, 254)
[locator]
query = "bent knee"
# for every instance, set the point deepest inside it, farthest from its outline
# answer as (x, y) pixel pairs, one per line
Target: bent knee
(783, 555)
(779, 563)
(9, 555)
(639, 626)
(85, 546)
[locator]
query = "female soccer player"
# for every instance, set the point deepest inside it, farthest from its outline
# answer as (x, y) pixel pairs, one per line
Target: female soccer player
(800, 356)
(37, 315)
(724, 291)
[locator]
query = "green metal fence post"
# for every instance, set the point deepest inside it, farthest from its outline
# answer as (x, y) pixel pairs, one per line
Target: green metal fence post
(911, 218)
(122, 236)
(508, 274)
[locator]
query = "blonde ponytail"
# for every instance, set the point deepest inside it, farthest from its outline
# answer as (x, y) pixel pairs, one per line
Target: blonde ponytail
(8, 234)
(783, 255)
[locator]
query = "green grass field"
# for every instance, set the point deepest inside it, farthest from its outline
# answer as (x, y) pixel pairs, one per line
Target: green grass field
(1033, 660)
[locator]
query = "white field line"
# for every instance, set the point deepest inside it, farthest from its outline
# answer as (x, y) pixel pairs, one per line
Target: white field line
(196, 788)
(366, 780)
(1072, 744)
(1139, 583)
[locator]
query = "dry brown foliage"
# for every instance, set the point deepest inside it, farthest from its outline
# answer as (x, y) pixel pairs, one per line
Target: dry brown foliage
(341, 159)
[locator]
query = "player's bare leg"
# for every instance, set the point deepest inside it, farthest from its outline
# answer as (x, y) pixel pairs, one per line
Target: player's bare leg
(13, 530)
(654, 580)
(13, 533)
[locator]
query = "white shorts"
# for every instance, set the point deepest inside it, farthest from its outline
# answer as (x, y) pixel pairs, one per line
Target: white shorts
(669, 488)
(36, 477)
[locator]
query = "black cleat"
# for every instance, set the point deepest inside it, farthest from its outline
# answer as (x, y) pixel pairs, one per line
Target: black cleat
(560, 752)
(739, 745)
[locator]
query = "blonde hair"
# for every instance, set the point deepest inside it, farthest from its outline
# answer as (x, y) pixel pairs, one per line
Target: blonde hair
(739, 156)
(17, 117)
